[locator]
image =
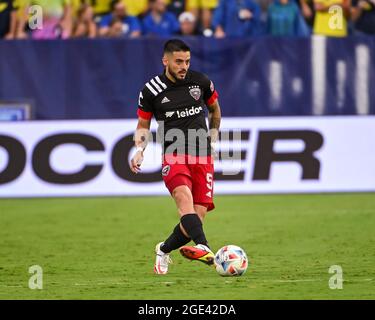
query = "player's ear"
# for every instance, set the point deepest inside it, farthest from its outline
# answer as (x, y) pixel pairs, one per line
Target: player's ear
(165, 60)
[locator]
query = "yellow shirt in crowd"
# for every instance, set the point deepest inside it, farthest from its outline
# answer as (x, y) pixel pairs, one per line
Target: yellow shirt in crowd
(201, 4)
(133, 7)
(54, 7)
(332, 23)
(51, 8)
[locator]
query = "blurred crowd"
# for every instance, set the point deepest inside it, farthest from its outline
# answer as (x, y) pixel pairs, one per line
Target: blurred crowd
(62, 19)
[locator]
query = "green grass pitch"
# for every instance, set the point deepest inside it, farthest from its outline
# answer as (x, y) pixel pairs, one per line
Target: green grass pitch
(103, 248)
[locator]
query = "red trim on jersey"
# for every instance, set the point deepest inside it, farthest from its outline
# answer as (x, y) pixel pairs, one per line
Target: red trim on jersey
(144, 114)
(213, 98)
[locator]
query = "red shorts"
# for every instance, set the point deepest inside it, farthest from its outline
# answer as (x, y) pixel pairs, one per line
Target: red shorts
(195, 172)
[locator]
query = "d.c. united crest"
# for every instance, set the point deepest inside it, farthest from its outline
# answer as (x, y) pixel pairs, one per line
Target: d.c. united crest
(195, 92)
(165, 170)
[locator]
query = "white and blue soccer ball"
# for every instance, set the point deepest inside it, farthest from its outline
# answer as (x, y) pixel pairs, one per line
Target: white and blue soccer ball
(231, 260)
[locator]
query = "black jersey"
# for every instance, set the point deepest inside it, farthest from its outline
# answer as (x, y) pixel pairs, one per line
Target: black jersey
(179, 108)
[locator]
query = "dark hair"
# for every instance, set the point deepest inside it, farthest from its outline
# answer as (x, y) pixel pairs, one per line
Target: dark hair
(175, 45)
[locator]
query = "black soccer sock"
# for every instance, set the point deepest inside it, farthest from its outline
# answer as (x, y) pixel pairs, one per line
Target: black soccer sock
(194, 228)
(176, 239)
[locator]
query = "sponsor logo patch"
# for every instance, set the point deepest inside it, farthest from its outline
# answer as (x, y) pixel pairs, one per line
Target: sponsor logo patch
(169, 114)
(189, 112)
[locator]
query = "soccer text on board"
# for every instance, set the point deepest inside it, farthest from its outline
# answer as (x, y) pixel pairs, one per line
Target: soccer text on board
(265, 155)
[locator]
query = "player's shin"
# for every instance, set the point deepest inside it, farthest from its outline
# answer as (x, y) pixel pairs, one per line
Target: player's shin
(175, 240)
(194, 228)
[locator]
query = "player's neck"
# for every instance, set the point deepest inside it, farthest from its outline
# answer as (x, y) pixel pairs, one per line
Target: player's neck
(169, 76)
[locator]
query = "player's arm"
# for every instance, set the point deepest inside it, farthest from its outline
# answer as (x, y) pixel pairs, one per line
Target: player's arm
(214, 120)
(214, 112)
(141, 138)
(142, 132)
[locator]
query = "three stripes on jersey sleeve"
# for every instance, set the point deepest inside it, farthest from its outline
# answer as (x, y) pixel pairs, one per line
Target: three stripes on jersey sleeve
(156, 86)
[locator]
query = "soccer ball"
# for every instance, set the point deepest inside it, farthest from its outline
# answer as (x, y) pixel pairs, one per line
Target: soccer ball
(231, 260)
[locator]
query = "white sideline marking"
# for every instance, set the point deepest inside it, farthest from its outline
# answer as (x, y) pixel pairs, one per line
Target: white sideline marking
(7, 286)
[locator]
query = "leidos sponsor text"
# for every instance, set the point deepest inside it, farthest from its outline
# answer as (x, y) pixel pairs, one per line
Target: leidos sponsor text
(184, 113)
(189, 112)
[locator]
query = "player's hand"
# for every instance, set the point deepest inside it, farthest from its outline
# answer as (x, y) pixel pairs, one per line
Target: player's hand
(213, 151)
(136, 161)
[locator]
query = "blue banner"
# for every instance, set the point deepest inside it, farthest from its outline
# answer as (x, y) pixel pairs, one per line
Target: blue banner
(101, 79)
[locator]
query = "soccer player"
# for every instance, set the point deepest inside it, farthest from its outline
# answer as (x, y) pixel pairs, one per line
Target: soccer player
(176, 99)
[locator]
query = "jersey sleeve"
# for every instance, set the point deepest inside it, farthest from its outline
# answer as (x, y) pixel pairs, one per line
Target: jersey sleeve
(144, 105)
(210, 94)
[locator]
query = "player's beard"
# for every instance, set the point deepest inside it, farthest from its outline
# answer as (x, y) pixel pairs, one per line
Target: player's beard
(175, 76)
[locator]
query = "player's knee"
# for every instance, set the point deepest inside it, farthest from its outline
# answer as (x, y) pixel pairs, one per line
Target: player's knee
(201, 215)
(184, 200)
(201, 211)
(182, 195)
